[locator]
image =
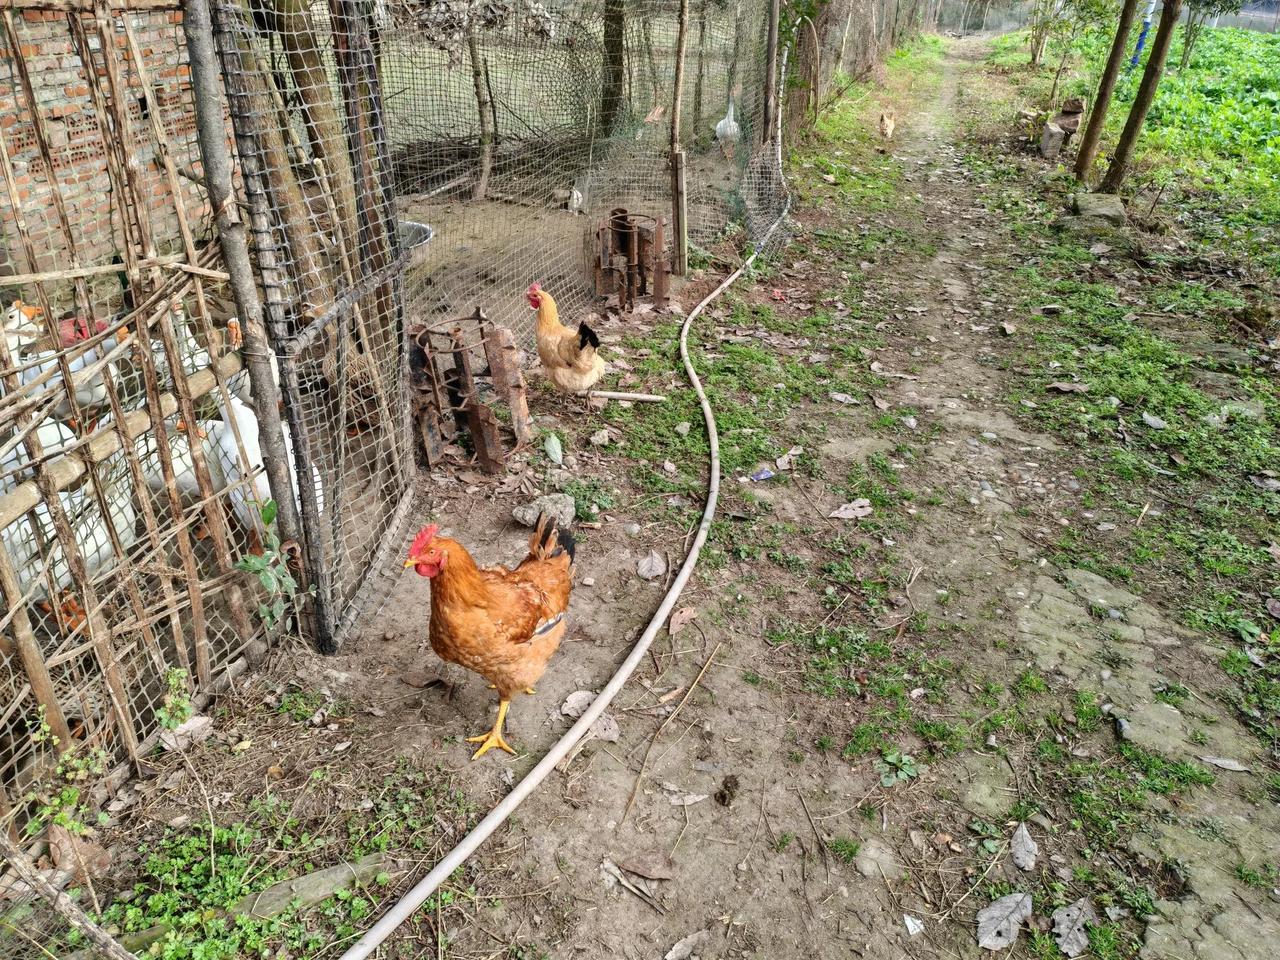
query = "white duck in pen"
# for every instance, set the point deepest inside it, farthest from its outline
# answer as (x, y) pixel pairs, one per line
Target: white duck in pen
(89, 368)
(222, 455)
(32, 543)
(728, 133)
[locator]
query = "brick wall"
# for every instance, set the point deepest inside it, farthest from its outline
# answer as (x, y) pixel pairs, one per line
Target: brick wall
(65, 102)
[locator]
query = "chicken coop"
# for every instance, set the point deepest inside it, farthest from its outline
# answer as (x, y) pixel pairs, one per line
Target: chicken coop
(219, 220)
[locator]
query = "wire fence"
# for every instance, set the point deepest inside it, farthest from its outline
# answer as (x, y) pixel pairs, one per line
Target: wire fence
(399, 165)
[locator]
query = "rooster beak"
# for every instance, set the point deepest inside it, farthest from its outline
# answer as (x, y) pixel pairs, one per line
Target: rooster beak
(410, 563)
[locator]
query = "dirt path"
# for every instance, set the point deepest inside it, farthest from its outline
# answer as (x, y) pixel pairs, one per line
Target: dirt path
(797, 851)
(1026, 623)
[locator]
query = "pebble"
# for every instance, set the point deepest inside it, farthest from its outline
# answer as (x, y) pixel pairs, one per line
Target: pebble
(631, 529)
(1122, 728)
(1106, 674)
(588, 581)
(388, 635)
(683, 428)
(990, 436)
(1115, 614)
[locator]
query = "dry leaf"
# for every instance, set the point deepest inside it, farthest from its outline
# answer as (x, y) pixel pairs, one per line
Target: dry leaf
(418, 678)
(680, 619)
(554, 451)
(1024, 849)
(687, 799)
(576, 703)
(606, 728)
(685, 947)
(1273, 607)
(853, 510)
(999, 923)
(1226, 763)
(1069, 926)
(651, 566)
(82, 858)
(1064, 387)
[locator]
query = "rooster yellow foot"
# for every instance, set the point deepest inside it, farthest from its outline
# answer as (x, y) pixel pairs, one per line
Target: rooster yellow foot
(529, 691)
(493, 738)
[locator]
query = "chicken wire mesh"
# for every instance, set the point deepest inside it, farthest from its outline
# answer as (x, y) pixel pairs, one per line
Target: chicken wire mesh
(129, 473)
(399, 164)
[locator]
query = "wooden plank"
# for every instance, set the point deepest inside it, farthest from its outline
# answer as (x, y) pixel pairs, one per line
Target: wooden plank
(508, 380)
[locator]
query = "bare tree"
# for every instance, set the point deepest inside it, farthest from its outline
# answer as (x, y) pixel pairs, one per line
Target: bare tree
(1146, 94)
(1088, 150)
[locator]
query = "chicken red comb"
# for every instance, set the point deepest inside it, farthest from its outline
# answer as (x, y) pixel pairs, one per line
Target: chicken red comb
(534, 287)
(423, 539)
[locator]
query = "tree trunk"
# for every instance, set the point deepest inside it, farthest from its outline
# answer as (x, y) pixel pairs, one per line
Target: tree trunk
(1088, 149)
(323, 123)
(613, 64)
(482, 105)
(1146, 94)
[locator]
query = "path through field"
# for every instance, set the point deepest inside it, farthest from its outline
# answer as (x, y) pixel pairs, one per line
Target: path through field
(947, 624)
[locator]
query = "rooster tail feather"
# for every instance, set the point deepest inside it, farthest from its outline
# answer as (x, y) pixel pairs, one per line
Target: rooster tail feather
(587, 337)
(549, 540)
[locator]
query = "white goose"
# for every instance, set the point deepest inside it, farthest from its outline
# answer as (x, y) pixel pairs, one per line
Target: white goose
(728, 133)
(88, 526)
(223, 458)
(22, 331)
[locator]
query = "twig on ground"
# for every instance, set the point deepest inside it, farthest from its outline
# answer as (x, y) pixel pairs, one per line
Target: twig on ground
(635, 788)
(63, 904)
(822, 844)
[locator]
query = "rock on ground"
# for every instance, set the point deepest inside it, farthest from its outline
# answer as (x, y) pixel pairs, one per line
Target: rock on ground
(558, 505)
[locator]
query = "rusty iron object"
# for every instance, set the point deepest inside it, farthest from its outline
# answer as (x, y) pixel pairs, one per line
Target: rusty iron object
(630, 257)
(446, 401)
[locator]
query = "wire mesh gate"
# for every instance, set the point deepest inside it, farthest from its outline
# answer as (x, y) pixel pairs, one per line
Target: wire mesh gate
(399, 164)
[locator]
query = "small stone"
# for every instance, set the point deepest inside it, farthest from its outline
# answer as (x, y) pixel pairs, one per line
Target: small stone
(388, 636)
(631, 529)
(600, 438)
(1106, 674)
(1103, 206)
(558, 505)
(588, 581)
(683, 428)
(875, 861)
(1123, 730)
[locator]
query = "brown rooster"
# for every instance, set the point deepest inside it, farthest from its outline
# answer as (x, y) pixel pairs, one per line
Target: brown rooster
(502, 624)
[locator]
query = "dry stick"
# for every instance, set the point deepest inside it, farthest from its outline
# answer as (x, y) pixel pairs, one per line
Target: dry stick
(614, 395)
(60, 902)
(666, 723)
(818, 836)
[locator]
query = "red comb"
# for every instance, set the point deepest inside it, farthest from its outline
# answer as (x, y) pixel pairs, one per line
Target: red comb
(534, 287)
(423, 539)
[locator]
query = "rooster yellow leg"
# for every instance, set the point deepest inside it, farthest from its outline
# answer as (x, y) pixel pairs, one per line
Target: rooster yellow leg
(529, 691)
(494, 737)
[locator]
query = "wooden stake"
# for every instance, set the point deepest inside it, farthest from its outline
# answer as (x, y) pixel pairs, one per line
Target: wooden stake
(508, 380)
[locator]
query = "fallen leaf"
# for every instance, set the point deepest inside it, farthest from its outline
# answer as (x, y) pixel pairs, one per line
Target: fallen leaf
(576, 703)
(1226, 763)
(418, 678)
(684, 948)
(785, 461)
(853, 510)
(651, 566)
(914, 924)
(555, 452)
(683, 428)
(653, 866)
(242, 747)
(1152, 421)
(1273, 607)
(1064, 387)
(999, 923)
(680, 619)
(1069, 926)
(275, 772)
(687, 799)
(1023, 848)
(342, 747)
(82, 858)
(606, 728)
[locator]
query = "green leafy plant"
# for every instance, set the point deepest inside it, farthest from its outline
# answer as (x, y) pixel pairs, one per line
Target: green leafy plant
(896, 767)
(271, 568)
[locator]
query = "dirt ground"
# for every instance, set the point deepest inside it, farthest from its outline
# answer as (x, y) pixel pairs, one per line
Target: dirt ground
(834, 756)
